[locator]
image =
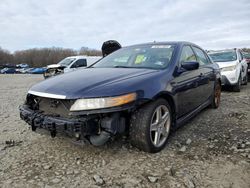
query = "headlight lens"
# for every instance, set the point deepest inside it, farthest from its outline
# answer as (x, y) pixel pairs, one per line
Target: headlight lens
(98, 103)
(230, 68)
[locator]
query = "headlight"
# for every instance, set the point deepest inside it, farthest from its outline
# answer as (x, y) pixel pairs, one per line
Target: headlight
(98, 103)
(230, 68)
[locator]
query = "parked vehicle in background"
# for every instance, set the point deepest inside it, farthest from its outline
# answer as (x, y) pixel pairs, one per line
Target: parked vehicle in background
(37, 70)
(247, 57)
(7, 66)
(69, 64)
(233, 67)
(144, 90)
(8, 71)
(22, 66)
(26, 70)
(21, 70)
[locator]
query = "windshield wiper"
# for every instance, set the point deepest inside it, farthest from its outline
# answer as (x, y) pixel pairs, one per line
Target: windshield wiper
(121, 66)
(131, 67)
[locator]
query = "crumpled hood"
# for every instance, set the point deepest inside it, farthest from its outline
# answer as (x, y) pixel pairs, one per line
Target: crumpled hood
(227, 64)
(90, 82)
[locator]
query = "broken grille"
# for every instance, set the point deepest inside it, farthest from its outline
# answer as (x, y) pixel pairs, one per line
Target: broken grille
(48, 106)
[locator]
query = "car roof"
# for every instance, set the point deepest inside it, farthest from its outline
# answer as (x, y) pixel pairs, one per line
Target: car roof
(83, 57)
(166, 43)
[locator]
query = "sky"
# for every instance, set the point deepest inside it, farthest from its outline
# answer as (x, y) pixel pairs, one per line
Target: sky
(212, 24)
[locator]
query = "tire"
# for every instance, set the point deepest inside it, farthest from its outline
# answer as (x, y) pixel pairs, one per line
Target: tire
(144, 127)
(215, 103)
(44, 75)
(236, 88)
(245, 80)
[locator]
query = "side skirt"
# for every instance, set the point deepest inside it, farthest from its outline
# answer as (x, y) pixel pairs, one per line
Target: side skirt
(181, 121)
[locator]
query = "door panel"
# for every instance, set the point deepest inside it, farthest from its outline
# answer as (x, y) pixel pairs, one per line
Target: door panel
(206, 82)
(186, 83)
(186, 89)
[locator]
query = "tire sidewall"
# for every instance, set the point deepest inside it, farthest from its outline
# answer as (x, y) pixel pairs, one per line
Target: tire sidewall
(213, 103)
(246, 79)
(237, 87)
(239, 82)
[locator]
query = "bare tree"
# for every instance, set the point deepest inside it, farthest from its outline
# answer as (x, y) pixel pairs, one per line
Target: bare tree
(89, 52)
(5, 57)
(246, 50)
(43, 56)
(40, 57)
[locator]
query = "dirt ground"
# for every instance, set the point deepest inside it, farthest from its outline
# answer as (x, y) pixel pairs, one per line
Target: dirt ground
(212, 150)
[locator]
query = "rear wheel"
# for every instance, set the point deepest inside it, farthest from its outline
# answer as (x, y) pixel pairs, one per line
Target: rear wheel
(237, 86)
(216, 95)
(150, 126)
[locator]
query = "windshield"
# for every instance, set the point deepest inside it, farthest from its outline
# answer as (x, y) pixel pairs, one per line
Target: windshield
(246, 55)
(66, 61)
(223, 56)
(148, 56)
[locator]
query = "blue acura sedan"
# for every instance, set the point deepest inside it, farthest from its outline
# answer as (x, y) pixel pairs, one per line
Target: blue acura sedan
(142, 91)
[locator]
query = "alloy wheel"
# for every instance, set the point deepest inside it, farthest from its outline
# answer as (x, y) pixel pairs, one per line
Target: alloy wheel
(160, 125)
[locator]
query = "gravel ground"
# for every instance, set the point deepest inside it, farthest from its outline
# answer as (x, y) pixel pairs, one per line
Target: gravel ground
(212, 150)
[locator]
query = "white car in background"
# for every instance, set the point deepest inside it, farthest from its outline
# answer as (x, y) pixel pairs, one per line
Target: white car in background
(233, 67)
(69, 64)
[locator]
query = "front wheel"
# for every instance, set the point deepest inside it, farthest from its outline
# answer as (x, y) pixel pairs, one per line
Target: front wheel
(236, 88)
(45, 76)
(245, 79)
(150, 126)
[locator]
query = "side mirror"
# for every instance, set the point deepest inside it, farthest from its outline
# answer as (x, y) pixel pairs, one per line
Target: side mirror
(192, 65)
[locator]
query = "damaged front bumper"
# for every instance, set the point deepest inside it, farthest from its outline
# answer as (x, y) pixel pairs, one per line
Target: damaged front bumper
(71, 127)
(97, 129)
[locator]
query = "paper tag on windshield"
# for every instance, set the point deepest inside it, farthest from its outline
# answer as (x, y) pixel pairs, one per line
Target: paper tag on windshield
(161, 46)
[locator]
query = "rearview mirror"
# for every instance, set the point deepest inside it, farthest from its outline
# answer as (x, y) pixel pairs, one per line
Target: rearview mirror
(192, 65)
